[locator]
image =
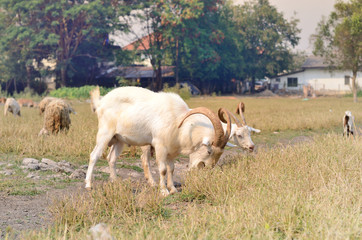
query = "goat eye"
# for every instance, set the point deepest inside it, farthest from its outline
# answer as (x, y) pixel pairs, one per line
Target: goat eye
(209, 152)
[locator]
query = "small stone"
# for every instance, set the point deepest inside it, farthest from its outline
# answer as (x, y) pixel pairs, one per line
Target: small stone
(84, 167)
(78, 174)
(46, 167)
(33, 176)
(67, 169)
(7, 172)
(64, 163)
(27, 161)
(32, 166)
(49, 162)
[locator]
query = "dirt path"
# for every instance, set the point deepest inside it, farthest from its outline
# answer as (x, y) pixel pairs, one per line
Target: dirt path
(19, 213)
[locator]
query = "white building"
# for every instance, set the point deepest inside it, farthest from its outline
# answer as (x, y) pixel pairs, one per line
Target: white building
(316, 74)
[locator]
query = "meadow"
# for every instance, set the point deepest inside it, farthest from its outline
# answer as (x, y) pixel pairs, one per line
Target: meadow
(306, 190)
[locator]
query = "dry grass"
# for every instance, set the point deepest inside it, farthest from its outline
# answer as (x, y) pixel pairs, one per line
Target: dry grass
(19, 135)
(311, 190)
(306, 191)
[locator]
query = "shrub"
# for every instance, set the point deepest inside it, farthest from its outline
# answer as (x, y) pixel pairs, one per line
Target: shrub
(184, 91)
(76, 93)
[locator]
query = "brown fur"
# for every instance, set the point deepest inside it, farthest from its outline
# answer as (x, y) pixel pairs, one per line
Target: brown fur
(26, 102)
(56, 117)
(2, 100)
(44, 102)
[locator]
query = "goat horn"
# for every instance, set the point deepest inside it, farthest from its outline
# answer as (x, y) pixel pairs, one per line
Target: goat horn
(219, 140)
(237, 121)
(240, 110)
(221, 113)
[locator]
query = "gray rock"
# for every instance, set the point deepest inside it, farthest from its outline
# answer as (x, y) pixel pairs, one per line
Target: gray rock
(27, 161)
(78, 174)
(33, 176)
(49, 162)
(64, 163)
(32, 166)
(7, 172)
(84, 167)
(67, 169)
(47, 167)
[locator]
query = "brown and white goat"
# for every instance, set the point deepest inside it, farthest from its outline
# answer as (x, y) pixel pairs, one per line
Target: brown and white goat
(139, 117)
(348, 124)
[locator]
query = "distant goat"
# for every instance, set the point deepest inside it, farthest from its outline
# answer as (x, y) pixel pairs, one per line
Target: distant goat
(45, 102)
(2, 100)
(348, 124)
(56, 117)
(11, 105)
(26, 102)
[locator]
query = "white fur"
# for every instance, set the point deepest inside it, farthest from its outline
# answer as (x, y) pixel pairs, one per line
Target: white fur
(11, 105)
(239, 135)
(348, 124)
(140, 117)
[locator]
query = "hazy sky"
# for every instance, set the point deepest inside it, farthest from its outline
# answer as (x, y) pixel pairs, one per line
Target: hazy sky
(309, 13)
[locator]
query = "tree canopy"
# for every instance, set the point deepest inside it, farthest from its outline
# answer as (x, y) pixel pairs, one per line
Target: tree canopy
(339, 39)
(210, 42)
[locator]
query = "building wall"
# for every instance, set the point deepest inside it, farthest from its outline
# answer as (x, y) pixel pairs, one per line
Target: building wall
(319, 79)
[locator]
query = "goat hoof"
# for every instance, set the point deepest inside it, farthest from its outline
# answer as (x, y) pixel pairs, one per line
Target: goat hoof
(165, 192)
(173, 190)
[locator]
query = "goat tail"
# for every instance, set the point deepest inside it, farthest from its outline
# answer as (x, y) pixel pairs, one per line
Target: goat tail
(95, 96)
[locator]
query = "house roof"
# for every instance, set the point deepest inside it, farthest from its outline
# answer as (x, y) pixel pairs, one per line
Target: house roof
(314, 62)
(134, 72)
(142, 44)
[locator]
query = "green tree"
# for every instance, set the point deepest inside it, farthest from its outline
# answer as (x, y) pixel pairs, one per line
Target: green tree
(268, 38)
(49, 28)
(339, 39)
(169, 24)
(202, 47)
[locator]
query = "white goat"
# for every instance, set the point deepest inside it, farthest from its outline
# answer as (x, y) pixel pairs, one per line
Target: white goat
(240, 135)
(11, 105)
(348, 124)
(137, 116)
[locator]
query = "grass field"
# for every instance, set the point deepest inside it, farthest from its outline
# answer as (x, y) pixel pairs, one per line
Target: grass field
(308, 190)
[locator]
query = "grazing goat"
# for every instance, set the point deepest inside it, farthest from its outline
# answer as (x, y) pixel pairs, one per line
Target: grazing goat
(348, 124)
(26, 102)
(11, 105)
(139, 117)
(45, 101)
(240, 135)
(2, 100)
(56, 117)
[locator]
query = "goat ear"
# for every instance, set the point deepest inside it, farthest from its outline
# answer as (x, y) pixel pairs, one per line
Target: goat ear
(230, 144)
(206, 141)
(254, 130)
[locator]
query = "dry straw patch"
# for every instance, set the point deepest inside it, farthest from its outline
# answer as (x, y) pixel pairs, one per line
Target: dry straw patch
(307, 191)
(280, 114)
(19, 135)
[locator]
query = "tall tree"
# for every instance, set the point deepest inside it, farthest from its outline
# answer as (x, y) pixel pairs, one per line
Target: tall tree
(339, 39)
(268, 38)
(56, 28)
(169, 23)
